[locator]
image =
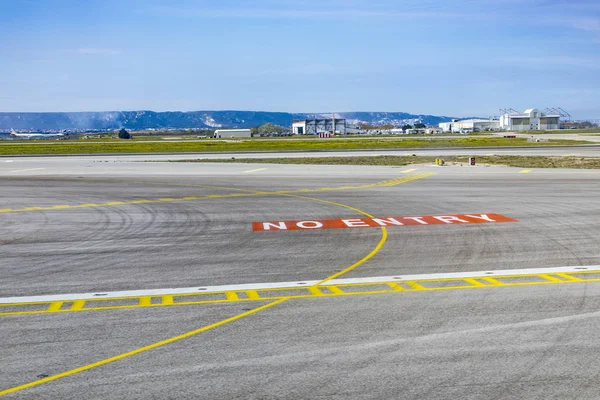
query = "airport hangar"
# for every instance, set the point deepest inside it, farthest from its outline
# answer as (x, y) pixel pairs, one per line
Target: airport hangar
(510, 120)
(323, 125)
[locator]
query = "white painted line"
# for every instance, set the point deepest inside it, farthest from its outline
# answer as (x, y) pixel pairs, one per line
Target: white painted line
(9, 161)
(460, 275)
(299, 284)
(255, 170)
(29, 169)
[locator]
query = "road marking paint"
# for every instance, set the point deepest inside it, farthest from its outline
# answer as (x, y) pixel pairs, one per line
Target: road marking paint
(349, 223)
(489, 154)
(366, 258)
(168, 300)
(525, 171)
(408, 170)
(28, 169)
(255, 170)
(141, 349)
(249, 193)
(9, 161)
(55, 306)
(254, 291)
(145, 301)
(77, 305)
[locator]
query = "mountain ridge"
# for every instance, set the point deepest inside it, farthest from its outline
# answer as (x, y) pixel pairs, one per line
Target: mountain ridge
(207, 119)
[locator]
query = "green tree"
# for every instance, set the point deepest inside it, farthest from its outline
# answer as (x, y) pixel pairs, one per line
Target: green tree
(405, 127)
(420, 126)
(123, 134)
(271, 128)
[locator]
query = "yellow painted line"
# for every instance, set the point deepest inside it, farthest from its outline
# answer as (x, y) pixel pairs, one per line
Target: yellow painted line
(248, 193)
(252, 295)
(140, 350)
(550, 278)
(301, 292)
(55, 306)
(568, 277)
(362, 260)
(395, 286)
(232, 296)
(415, 285)
(473, 282)
(314, 291)
(255, 170)
(525, 171)
(334, 290)
(489, 154)
(145, 301)
(77, 305)
(408, 170)
(492, 281)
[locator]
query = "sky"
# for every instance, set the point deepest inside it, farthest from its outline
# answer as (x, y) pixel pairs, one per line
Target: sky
(441, 57)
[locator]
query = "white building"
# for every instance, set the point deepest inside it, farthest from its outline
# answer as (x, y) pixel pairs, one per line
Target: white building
(314, 126)
(232, 133)
(532, 119)
(470, 125)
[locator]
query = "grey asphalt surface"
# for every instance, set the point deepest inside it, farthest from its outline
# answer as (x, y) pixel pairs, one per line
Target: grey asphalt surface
(531, 342)
(89, 161)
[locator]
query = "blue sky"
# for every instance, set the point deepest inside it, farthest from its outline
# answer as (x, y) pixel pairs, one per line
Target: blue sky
(453, 57)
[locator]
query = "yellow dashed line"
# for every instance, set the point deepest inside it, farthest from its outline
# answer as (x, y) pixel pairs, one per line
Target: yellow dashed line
(322, 289)
(169, 300)
(525, 171)
(255, 170)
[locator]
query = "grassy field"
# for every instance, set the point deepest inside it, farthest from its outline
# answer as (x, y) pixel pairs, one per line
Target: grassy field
(140, 147)
(590, 131)
(511, 161)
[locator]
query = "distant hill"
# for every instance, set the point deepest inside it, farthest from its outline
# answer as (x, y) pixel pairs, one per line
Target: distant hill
(137, 120)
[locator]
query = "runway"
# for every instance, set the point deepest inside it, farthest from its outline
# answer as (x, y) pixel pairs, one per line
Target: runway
(89, 161)
(130, 280)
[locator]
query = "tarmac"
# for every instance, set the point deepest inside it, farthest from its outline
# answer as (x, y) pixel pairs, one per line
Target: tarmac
(169, 293)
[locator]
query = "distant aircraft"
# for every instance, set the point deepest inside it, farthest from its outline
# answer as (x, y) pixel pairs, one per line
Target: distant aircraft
(16, 135)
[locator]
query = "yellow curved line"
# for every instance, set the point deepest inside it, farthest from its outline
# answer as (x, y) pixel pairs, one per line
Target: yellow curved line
(363, 260)
(217, 324)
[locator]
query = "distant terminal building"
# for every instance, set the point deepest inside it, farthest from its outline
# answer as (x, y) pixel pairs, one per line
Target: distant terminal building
(232, 133)
(510, 120)
(470, 125)
(316, 126)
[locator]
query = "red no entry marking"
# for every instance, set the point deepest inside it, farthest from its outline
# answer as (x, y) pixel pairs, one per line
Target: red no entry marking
(344, 223)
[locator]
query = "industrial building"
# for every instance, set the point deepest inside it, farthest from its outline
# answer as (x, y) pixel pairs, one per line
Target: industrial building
(470, 125)
(530, 120)
(510, 120)
(232, 133)
(315, 126)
